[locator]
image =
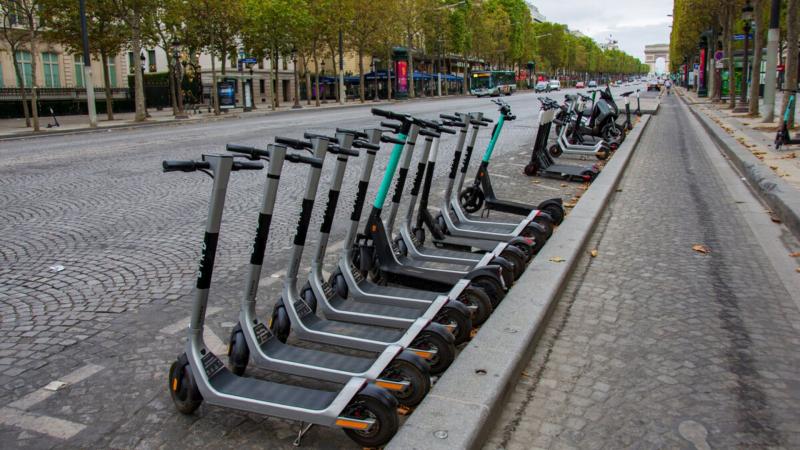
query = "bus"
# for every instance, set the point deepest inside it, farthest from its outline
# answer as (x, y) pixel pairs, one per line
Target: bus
(492, 83)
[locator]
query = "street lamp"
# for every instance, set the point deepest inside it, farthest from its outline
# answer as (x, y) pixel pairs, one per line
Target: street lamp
(747, 16)
(296, 82)
(375, 62)
(176, 67)
(323, 84)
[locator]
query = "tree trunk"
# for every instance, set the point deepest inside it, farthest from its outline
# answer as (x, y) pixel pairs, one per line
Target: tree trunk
(21, 78)
(277, 82)
(316, 80)
(409, 43)
(389, 73)
(758, 44)
(35, 79)
(333, 49)
(361, 74)
(138, 77)
(223, 56)
(107, 86)
(308, 80)
(792, 32)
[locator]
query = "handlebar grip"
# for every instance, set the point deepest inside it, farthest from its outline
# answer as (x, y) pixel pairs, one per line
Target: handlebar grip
(391, 140)
(431, 133)
(358, 134)
(293, 143)
(396, 127)
(488, 120)
(449, 117)
(451, 123)
(478, 123)
(184, 166)
(366, 145)
(389, 114)
(251, 152)
(247, 165)
(447, 130)
(336, 150)
(320, 136)
(314, 162)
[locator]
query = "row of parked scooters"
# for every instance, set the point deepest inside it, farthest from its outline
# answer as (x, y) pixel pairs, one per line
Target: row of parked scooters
(406, 290)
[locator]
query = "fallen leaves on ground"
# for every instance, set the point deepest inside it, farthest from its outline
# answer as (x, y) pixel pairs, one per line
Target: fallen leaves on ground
(789, 156)
(403, 410)
(797, 270)
(794, 254)
(563, 184)
(569, 204)
(593, 253)
(774, 218)
(773, 167)
(700, 248)
(557, 259)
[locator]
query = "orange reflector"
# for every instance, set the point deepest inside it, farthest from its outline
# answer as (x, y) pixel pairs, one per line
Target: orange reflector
(424, 354)
(390, 385)
(374, 228)
(175, 385)
(356, 425)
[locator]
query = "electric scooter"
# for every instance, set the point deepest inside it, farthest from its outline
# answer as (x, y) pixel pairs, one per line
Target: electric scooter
(410, 243)
(783, 137)
(349, 281)
(401, 372)
(427, 339)
(366, 413)
(599, 149)
(541, 162)
(317, 291)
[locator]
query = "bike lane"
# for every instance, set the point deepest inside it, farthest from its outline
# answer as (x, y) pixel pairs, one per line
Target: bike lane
(656, 344)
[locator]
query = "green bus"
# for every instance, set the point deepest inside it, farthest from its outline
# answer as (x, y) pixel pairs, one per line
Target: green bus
(492, 83)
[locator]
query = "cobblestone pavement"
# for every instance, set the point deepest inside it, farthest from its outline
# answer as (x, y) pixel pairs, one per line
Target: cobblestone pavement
(110, 323)
(654, 345)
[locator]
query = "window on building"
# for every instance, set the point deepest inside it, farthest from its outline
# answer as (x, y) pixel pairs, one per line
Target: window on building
(262, 87)
(79, 71)
(151, 60)
(112, 71)
(24, 63)
(131, 62)
(52, 77)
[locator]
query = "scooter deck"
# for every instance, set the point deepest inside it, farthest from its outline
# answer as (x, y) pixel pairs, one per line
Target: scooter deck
(354, 330)
(226, 382)
(486, 245)
(375, 309)
(306, 356)
(510, 207)
(397, 291)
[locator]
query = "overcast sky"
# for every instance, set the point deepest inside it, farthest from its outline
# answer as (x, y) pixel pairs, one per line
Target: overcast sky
(634, 23)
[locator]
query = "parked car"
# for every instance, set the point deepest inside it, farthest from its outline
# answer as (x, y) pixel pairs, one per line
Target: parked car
(542, 86)
(653, 85)
(579, 85)
(592, 84)
(555, 85)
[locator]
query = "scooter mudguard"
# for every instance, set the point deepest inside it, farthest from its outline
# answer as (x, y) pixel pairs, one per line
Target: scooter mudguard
(379, 394)
(441, 330)
(490, 270)
(415, 360)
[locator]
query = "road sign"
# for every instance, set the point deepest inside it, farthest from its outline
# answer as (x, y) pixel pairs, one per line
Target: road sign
(719, 65)
(718, 55)
(697, 66)
(249, 60)
(740, 37)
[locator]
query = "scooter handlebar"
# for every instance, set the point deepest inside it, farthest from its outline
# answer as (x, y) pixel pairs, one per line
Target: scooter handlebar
(184, 166)
(314, 162)
(395, 127)
(390, 115)
(391, 140)
(358, 134)
(449, 117)
(336, 150)
(251, 152)
(293, 143)
(247, 165)
(366, 145)
(320, 136)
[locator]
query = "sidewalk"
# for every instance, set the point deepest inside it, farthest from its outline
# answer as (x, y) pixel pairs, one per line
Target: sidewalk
(756, 136)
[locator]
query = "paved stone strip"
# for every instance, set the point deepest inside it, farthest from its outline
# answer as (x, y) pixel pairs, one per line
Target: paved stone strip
(656, 345)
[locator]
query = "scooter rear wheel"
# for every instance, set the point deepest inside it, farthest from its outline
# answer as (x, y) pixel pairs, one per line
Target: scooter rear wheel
(463, 324)
(556, 212)
(492, 288)
(445, 350)
(419, 383)
(476, 297)
(182, 387)
(519, 262)
(364, 406)
(238, 352)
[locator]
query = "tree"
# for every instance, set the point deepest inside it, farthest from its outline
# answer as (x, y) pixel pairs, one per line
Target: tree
(26, 13)
(760, 9)
(16, 42)
(136, 16)
(362, 33)
(792, 31)
(107, 33)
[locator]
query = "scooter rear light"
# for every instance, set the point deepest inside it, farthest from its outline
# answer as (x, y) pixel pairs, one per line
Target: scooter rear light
(586, 178)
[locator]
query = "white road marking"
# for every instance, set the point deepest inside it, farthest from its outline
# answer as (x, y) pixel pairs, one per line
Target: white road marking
(43, 393)
(272, 279)
(546, 187)
(336, 246)
(51, 426)
(497, 175)
(184, 323)
(214, 343)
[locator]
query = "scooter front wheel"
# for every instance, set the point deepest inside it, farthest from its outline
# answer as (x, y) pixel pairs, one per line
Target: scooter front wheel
(463, 325)
(386, 422)
(603, 155)
(441, 224)
(238, 352)
(479, 302)
(279, 323)
(531, 169)
(445, 350)
(339, 284)
(471, 199)
(419, 383)
(182, 387)
(555, 151)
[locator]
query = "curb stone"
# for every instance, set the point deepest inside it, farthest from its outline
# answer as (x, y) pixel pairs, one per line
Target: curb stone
(777, 194)
(464, 403)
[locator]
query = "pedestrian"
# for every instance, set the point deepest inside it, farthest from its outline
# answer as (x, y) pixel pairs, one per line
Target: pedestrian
(668, 85)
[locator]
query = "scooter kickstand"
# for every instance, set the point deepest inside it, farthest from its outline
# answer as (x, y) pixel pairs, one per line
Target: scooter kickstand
(303, 430)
